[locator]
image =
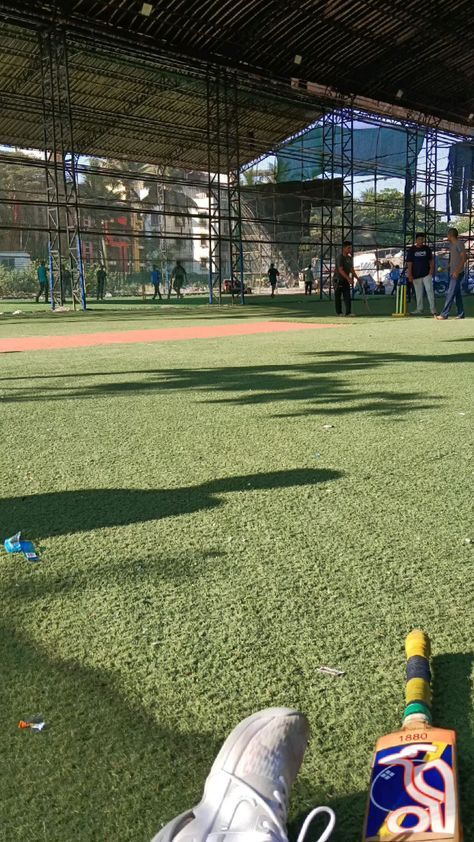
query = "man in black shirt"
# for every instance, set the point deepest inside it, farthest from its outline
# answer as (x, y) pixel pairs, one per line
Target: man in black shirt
(273, 274)
(101, 279)
(343, 277)
(420, 268)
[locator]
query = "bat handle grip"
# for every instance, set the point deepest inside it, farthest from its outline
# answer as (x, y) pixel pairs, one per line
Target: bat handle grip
(418, 683)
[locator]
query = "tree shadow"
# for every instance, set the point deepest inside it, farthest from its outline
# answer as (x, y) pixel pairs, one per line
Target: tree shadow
(453, 679)
(294, 305)
(140, 575)
(288, 306)
(66, 512)
(313, 384)
(102, 770)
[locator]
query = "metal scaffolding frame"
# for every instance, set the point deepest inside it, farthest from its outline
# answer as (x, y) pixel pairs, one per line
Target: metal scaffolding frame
(346, 117)
(327, 207)
(234, 204)
(431, 184)
(51, 145)
(61, 171)
(226, 98)
(409, 214)
(225, 207)
(214, 188)
(162, 247)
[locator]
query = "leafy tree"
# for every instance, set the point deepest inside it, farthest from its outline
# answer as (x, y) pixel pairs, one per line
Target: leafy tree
(462, 224)
(379, 217)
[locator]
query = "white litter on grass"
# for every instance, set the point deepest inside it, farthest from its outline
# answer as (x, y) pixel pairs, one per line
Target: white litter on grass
(331, 671)
(328, 426)
(37, 726)
(17, 312)
(461, 413)
(468, 541)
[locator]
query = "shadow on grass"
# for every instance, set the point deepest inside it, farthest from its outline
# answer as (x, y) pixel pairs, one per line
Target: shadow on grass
(313, 384)
(284, 306)
(131, 575)
(453, 708)
(64, 512)
(102, 771)
(293, 306)
(147, 316)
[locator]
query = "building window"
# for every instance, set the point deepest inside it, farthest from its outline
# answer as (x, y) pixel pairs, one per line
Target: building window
(87, 251)
(8, 262)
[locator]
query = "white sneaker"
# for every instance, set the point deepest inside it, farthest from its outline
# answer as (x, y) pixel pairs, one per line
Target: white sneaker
(246, 794)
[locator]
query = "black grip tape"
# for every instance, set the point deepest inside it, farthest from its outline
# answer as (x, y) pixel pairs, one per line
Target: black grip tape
(418, 667)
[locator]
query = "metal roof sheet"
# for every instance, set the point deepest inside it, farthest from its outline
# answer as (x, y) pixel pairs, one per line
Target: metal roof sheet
(138, 84)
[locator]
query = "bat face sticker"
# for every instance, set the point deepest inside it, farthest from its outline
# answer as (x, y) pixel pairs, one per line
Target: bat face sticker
(412, 790)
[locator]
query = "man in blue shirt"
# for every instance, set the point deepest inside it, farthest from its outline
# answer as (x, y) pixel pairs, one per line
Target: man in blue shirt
(420, 268)
(43, 282)
(156, 281)
(394, 277)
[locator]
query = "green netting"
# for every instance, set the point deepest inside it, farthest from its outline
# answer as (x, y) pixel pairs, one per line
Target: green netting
(381, 150)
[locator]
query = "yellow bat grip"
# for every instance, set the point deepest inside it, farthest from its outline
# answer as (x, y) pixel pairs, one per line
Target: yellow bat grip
(418, 643)
(418, 650)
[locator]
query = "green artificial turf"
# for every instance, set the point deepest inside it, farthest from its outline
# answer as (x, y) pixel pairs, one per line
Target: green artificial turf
(24, 318)
(206, 545)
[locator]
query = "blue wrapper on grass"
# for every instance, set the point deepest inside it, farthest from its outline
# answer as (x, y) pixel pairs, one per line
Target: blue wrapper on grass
(16, 545)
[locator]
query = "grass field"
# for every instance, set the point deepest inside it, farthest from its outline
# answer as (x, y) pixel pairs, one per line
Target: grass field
(206, 545)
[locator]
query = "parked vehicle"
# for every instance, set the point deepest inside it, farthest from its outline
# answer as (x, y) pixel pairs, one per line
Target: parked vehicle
(468, 282)
(232, 287)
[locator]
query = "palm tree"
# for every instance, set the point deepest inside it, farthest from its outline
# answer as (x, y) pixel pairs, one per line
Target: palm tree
(249, 177)
(95, 189)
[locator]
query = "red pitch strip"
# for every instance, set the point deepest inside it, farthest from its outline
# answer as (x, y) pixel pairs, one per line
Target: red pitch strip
(169, 334)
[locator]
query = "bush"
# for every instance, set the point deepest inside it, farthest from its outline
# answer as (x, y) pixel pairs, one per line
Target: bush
(18, 283)
(23, 283)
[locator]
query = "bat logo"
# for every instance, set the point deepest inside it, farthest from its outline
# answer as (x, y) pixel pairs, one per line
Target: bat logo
(415, 788)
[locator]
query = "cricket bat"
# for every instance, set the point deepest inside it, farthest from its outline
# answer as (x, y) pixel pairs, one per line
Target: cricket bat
(413, 794)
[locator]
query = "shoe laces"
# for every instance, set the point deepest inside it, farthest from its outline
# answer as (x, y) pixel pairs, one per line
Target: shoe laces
(327, 832)
(278, 815)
